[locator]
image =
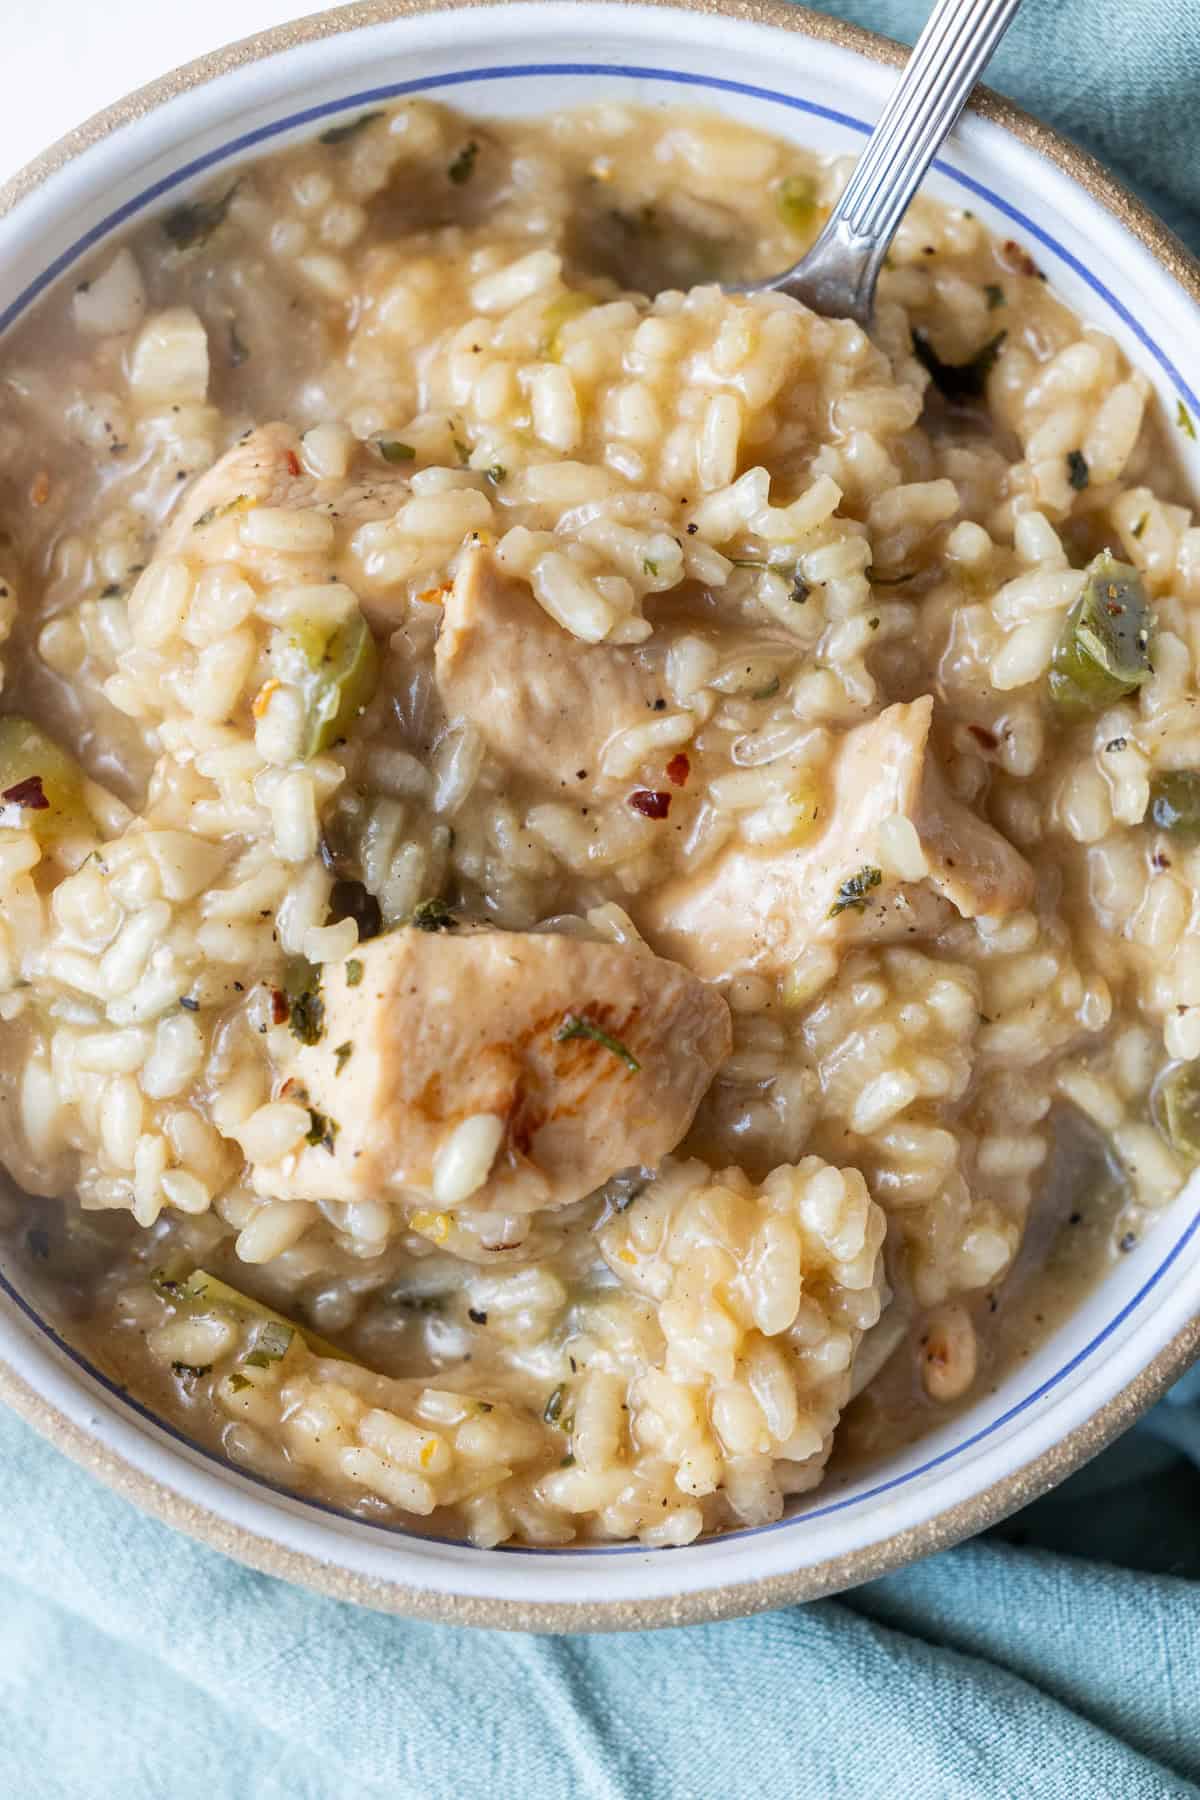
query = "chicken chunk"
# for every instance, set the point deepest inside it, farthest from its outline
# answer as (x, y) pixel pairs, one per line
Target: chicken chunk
(759, 908)
(545, 703)
(266, 468)
(510, 1070)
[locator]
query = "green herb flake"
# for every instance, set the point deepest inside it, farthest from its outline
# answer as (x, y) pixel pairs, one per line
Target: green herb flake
(573, 1026)
(463, 166)
(1183, 419)
(393, 451)
(354, 972)
(1141, 525)
(239, 1383)
(852, 895)
(994, 295)
(341, 1057)
(433, 915)
(194, 223)
(322, 1130)
(552, 1411)
(306, 1013)
(1103, 651)
(959, 382)
(496, 474)
(339, 134)
(1078, 473)
(649, 566)
(462, 451)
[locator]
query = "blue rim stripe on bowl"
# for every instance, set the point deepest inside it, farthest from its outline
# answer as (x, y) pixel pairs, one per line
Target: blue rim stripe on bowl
(397, 90)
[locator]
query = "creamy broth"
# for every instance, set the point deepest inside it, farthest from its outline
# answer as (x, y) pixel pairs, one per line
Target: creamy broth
(577, 869)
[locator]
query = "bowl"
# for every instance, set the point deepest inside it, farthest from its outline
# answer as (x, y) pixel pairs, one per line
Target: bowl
(820, 82)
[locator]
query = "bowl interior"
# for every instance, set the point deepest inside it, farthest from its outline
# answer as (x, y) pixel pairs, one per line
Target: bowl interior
(1118, 1348)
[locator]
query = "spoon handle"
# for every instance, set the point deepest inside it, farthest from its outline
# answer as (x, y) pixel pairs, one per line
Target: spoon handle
(947, 60)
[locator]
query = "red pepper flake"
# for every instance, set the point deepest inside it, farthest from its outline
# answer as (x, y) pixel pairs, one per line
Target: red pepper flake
(29, 793)
(650, 804)
(293, 463)
(279, 1006)
(678, 770)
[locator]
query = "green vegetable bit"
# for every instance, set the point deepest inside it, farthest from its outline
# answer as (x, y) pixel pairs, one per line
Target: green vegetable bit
(322, 1130)
(573, 1026)
(1078, 473)
(338, 134)
(994, 294)
(354, 972)
(41, 786)
(193, 224)
(1176, 1108)
(393, 451)
(1183, 419)
(959, 382)
(336, 671)
(852, 895)
(1175, 804)
(341, 1057)
(796, 202)
(1104, 650)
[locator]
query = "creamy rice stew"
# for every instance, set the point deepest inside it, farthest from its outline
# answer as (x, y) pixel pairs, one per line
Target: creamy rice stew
(569, 861)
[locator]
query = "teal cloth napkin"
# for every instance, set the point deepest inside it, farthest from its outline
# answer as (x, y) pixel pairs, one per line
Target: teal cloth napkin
(1058, 1659)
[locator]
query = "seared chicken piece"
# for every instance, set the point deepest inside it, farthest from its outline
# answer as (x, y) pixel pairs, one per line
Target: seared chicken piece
(543, 701)
(759, 908)
(512, 1070)
(265, 469)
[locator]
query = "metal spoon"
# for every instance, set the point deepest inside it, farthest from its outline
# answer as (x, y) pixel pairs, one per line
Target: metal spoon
(837, 276)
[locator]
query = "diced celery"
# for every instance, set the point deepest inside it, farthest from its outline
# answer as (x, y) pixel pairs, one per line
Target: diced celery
(337, 671)
(1104, 650)
(1175, 804)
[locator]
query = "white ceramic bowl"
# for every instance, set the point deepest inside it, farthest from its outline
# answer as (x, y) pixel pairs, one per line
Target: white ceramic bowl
(805, 77)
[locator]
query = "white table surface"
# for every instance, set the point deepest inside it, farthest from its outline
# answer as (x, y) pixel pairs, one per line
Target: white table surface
(65, 59)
